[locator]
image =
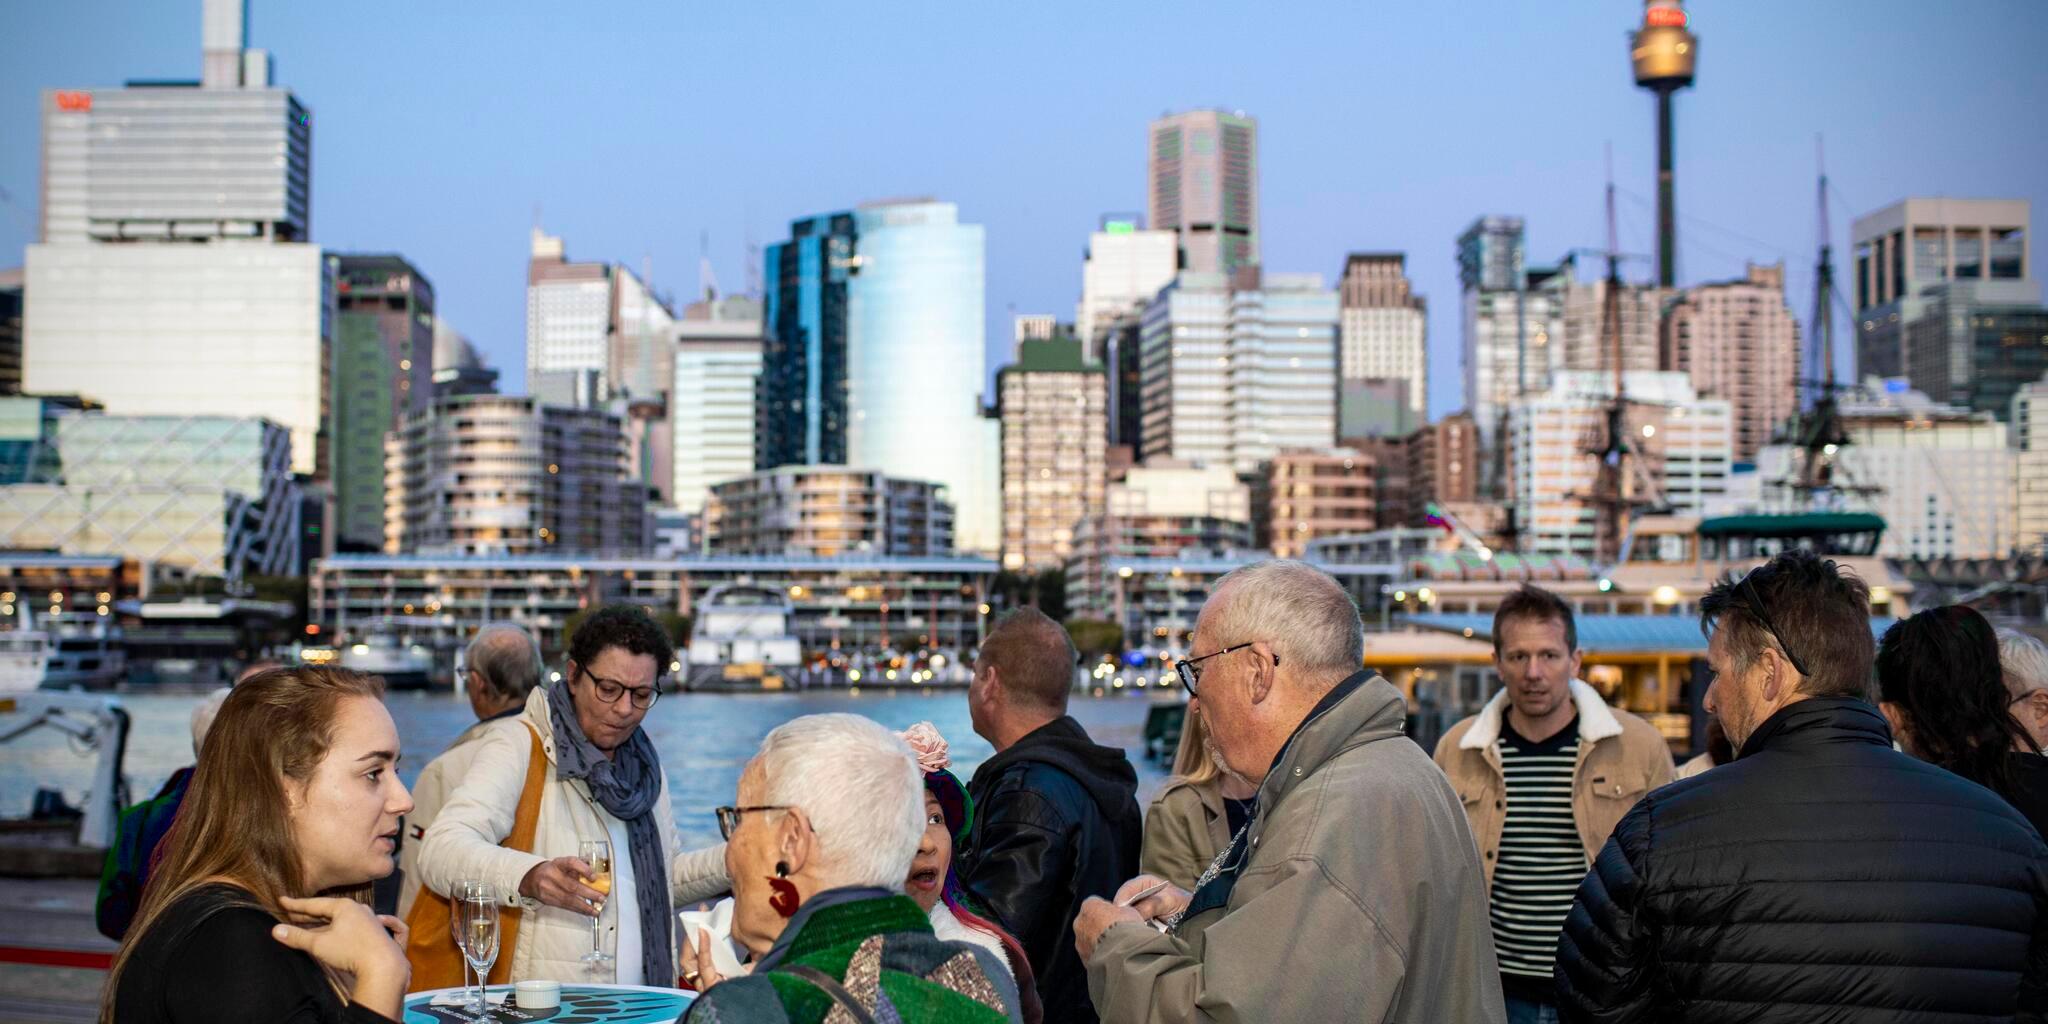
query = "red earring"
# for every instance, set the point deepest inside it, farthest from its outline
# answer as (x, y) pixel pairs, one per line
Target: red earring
(785, 898)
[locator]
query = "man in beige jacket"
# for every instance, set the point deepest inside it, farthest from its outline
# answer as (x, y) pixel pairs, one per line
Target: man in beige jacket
(1545, 771)
(501, 666)
(1355, 892)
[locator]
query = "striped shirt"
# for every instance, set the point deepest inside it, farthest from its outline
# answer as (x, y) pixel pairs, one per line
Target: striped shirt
(1541, 861)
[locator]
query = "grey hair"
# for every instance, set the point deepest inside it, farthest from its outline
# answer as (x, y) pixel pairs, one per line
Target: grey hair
(861, 788)
(2024, 662)
(203, 714)
(508, 659)
(1297, 609)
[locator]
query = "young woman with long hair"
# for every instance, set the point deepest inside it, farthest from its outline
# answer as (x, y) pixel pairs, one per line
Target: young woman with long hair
(1941, 686)
(255, 911)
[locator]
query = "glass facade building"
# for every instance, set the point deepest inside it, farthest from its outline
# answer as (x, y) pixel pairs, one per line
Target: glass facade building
(383, 372)
(873, 353)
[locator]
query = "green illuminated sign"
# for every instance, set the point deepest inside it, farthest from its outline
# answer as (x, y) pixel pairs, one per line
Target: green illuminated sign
(1119, 227)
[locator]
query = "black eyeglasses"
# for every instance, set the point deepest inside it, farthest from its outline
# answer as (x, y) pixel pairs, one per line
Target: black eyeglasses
(609, 691)
(1190, 675)
(729, 817)
(1756, 609)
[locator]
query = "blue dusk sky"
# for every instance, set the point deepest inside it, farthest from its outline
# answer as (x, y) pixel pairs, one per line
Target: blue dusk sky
(638, 129)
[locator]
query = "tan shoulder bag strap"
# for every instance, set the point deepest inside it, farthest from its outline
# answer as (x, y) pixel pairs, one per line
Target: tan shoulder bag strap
(430, 945)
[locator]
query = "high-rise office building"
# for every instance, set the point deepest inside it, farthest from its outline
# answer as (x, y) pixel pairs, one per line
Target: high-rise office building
(718, 365)
(1974, 344)
(1236, 371)
(1582, 343)
(383, 373)
(173, 276)
(458, 367)
(593, 318)
(1913, 244)
(2028, 428)
(212, 495)
(828, 512)
(1125, 266)
(1684, 443)
(1941, 476)
(1053, 406)
(1511, 319)
(1203, 183)
(1157, 511)
(1315, 493)
(872, 354)
(1738, 340)
(1437, 463)
(1385, 326)
(492, 474)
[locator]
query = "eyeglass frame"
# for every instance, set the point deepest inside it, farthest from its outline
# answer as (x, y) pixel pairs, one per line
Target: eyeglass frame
(1190, 676)
(1755, 607)
(598, 683)
(729, 816)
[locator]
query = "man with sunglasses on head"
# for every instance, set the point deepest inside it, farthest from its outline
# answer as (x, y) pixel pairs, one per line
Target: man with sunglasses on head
(1056, 817)
(1354, 893)
(1821, 875)
(602, 781)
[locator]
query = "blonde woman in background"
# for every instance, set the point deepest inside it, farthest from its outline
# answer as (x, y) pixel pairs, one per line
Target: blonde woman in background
(1200, 808)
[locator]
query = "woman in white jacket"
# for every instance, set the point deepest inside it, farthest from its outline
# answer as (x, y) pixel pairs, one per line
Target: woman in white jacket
(604, 782)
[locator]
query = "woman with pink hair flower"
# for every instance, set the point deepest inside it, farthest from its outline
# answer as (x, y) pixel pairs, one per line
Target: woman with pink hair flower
(932, 882)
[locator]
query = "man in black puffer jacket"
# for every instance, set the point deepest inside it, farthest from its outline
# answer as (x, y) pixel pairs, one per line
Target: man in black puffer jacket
(1056, 816)
(1821, 876)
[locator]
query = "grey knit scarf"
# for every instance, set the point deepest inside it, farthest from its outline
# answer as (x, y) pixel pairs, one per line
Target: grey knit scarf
(627, 785)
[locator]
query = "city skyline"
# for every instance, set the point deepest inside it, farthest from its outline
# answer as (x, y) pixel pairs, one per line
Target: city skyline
(444, 166)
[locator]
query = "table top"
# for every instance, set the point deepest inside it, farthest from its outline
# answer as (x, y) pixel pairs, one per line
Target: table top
(581, 1004)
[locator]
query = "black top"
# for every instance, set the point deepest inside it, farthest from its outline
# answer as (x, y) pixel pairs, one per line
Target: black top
(1056, 821)
(210, 959)
(1820, 876)
(1237, 812)
(2030, 785)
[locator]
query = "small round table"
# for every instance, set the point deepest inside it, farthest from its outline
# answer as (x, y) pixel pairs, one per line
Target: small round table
(581, 1004)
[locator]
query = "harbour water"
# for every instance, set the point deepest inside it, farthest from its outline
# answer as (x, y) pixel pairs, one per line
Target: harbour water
(704, 740)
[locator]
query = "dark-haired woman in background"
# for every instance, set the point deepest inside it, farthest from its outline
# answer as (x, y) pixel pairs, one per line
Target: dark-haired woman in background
(251, 915)
(1940, 685)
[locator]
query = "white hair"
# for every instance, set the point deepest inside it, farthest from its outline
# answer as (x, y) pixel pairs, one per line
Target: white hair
(508, 659)
(2024, 662)
(203, 714)
(860, 786)
(1297, 609)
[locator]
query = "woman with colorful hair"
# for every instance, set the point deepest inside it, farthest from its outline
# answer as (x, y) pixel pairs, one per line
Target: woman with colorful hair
(936, 886)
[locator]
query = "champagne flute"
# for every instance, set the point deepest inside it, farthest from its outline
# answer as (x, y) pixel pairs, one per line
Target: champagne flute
(476, 915)
(598, 854)
(461, 891)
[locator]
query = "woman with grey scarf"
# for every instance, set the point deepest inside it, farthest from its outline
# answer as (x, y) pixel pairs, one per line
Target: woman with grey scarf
(604, 782)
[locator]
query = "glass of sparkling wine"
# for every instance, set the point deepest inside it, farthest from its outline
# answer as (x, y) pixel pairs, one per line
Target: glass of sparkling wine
(598, 854)
(462, 889)
(476, 934)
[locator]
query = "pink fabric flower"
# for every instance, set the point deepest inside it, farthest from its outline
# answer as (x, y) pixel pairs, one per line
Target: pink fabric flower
(929, 746)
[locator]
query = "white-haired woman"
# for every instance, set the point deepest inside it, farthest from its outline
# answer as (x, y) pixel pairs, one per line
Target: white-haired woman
(830, 814)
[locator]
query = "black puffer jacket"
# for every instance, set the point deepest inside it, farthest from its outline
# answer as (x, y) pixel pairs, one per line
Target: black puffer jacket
(1822, 876)
(1056, 821)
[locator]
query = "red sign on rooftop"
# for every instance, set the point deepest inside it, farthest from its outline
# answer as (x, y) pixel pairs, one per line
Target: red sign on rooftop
(1663, 17)
(74, 101)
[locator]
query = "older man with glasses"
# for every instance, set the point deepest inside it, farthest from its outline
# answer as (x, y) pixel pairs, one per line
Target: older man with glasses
(1821, 875)
(1355, 892)
(2024, 662)
(602, 782)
